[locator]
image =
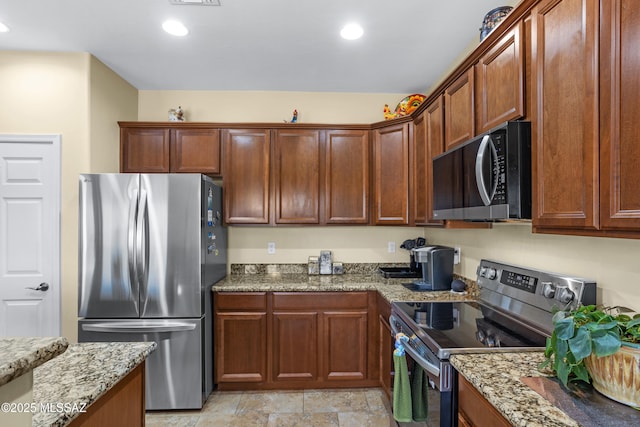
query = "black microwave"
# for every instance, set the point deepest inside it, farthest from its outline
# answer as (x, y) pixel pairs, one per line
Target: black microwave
(487, 178)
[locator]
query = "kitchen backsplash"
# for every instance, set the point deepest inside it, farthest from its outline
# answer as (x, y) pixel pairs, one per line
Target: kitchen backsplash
(349, 268)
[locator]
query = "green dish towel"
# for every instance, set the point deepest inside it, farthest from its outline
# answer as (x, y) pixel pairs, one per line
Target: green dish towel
(419, 390)
(402, 411)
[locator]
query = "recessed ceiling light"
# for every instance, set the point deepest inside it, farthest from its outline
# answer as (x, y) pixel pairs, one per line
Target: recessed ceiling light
(3, 28)
(175, 28)
(351, 31)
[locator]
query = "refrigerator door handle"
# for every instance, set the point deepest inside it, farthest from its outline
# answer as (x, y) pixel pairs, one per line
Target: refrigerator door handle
(131, 243)
(139, 327)
(141, 244)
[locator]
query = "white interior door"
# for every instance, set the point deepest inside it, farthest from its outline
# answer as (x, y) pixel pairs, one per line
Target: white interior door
(29, 235)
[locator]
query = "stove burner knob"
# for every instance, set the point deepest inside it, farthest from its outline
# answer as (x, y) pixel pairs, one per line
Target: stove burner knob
(480, 335)
(548, 290)
(483, 271)
(490, 342)
(565, 295)
(491, 273)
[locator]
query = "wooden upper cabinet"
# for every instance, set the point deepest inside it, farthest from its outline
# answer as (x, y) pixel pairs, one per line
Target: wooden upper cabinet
(391, 175)
(144, 150)
(420, 164)
(565, 147)
(500, 81)
(246, 175)
(459, 110)
(195, 150)
(297, 176)
(346, 189)
(428, 142)
(619, 115)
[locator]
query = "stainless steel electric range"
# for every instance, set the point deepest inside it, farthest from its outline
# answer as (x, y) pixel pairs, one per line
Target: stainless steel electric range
(514, 313)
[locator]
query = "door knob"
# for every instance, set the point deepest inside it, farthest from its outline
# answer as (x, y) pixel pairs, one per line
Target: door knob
(44, 286)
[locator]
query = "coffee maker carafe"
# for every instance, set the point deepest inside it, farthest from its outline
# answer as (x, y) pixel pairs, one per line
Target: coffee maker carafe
(437, 268)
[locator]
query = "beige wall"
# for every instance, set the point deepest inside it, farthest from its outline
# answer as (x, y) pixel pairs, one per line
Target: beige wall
(613, 263)
(74, 95)
(256, 107)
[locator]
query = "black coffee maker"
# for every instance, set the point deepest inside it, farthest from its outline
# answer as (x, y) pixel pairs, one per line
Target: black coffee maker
(413, 244)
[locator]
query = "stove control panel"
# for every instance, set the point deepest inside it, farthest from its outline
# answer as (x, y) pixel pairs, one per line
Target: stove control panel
(542, 292)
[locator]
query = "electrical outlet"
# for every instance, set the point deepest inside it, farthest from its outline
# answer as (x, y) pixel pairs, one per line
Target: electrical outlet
(456, 255)
(391, 247)
(271, 248)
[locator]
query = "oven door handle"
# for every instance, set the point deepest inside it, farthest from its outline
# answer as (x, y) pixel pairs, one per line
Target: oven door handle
(428, 366)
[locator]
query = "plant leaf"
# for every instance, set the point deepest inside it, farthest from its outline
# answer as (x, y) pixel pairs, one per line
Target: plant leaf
(581, 373)
(607, 344)
(580, 345)
(564, 328)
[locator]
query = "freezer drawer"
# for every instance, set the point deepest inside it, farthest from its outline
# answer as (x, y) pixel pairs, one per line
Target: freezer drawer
(174, 371)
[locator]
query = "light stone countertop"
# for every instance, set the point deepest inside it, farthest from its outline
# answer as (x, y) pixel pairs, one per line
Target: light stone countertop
(81, 375)
(497, 377)
(20, 355)
(391, 289)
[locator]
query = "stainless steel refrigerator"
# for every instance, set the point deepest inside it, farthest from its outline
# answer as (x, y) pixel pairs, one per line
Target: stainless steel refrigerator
(150, 248)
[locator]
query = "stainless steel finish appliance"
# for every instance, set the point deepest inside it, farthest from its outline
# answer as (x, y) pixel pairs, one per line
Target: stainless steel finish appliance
(150, 248)
(436, 264)
(487, 178)
(514, 313)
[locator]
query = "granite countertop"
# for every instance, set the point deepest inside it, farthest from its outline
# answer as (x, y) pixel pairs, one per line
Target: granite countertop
(390, 289)
(82, 374)
(497, 377)
(21, 355)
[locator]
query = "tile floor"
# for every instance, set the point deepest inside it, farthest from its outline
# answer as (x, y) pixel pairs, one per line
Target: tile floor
(303, 408)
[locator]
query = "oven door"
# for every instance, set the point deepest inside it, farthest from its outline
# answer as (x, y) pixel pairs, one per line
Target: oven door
(441, 374)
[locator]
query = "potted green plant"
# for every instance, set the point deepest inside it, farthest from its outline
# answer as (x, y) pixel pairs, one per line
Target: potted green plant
(599, 345)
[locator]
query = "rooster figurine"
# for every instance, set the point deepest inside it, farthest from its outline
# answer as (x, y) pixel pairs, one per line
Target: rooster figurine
(388, 115)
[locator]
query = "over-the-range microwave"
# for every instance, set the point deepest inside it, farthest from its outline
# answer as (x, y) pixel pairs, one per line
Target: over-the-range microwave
(487, 178)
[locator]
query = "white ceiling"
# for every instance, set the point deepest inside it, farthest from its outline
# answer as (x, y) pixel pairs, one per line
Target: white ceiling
(276, 45)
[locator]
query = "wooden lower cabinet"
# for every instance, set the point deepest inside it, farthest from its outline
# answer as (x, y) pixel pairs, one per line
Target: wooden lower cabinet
(303, 340)
(344, 339)
(122, 405)
(240, 337)
(386, 346)
(474, 410)
(295, 346)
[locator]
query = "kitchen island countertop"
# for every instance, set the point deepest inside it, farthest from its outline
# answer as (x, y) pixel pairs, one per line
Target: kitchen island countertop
(391, 289)
(497, 377)
(20, 355)
(81, 375)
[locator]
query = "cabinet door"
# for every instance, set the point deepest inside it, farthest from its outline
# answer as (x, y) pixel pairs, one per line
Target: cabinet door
(297, 176)
(385, 345)
(620, 115)
(565, 164)
(344, 339)
(420, 163)
(346, 189)
(144, 150)
(474, 409)
(500, 81)
(195, 150)
(295, 346)
(246, 176)
(241, 347)
(459, 110)
(391, 175)
(434, 118)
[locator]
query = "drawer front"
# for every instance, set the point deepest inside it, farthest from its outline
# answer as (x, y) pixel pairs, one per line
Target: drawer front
(319, 300)
(240, 301)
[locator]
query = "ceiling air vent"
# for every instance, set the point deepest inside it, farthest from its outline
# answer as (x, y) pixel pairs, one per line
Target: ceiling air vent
(196, 2)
